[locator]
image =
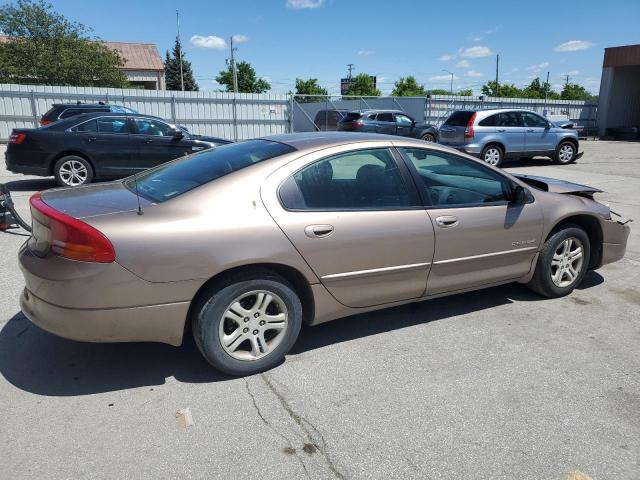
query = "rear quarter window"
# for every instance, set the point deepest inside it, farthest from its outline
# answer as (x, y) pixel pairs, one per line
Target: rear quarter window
(491, 121)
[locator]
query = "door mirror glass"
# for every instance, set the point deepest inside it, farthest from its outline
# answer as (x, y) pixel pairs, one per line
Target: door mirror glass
(519, 196)
(177, 133)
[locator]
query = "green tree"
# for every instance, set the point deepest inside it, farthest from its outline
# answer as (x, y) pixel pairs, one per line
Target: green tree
(408, 87)
(172, 70)
(248, 82)
(465, 93)
(573, 91)
(539, 89)
(362, 86)
(309, 87)
(438, 91)
(47, 49)
(505, 90)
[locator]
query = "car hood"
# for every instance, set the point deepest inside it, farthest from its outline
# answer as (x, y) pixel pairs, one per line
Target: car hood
(92, 200)
(554, 185)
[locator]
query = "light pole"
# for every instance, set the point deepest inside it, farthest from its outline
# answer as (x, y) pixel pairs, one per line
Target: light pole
(451, 88)
(180, 51)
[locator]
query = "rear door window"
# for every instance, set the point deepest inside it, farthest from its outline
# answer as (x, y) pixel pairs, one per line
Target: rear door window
(358, 180)
(459, 119)
(385, 117)
(87, 127)
(491, 121)
(351, 116)
(112, 125)
(510, 119)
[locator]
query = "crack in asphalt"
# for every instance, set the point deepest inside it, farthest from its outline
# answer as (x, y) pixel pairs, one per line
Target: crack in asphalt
(273, 429)
(301, 422)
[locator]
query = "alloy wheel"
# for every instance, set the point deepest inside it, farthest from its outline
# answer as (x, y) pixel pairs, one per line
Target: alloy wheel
(492, 156)
(566, 263)
(566, 153)
(73, 173)
(253, 325)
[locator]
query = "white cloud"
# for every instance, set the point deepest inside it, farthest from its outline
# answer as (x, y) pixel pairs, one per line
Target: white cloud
(365, 53)
(473, 73)
(211, 41)
(446, 58)
(463, 64)
(475, 52)
(300, 4)
(573, 46)
(571, 72)
(442, 78)
(239, 38)
(538, 67)
(492, 30)
(477, 39)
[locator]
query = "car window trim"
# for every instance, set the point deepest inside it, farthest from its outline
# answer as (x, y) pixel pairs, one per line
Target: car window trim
(70, 129)
(429, 206)
(412, 191)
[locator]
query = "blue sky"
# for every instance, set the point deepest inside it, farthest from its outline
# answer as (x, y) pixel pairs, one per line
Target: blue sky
(285, 39)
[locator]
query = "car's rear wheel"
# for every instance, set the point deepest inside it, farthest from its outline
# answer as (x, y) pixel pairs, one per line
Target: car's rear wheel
(72, 171)
(429, 137)
(562, 263)
(249, 325)
(493, 155)
(565, 153)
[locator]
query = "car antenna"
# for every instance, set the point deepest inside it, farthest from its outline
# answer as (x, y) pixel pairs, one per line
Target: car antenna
(135, 181)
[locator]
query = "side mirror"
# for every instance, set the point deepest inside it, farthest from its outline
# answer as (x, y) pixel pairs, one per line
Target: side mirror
(177, 133)
(547, 126)
(519, 195)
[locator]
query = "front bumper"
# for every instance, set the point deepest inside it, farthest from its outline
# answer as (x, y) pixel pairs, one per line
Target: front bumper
(614, 241)
(151, 323)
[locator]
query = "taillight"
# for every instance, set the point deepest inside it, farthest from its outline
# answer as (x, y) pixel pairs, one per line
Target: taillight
(72, 238)
(468, 132)
(357, 123)
(44, 122)
(17, 138)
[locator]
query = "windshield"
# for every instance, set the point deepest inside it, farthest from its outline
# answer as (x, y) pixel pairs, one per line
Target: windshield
(175, 178)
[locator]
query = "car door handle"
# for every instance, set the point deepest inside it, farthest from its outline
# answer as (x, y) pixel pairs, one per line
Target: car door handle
(147, 140)
(530, 130)
(91, 138)
(502, 130)
(447, 221)
(318, 231)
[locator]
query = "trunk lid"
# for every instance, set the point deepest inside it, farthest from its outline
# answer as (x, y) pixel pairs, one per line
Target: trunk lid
(93, 200)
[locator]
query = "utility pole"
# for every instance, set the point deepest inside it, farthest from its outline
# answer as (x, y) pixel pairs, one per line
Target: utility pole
(451, 87)
(350, 68)
(497, 84)
(566, 82)
(233, 68)
(546, 94)
(179, 51)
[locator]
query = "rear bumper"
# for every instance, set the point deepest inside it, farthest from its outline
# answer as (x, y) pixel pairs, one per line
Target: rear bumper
(471, 149)
(36, 168)
(151, 323)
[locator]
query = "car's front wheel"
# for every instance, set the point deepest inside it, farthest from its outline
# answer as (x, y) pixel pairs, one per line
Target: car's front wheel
(72, 171)
(248, 325)
(565, 153)
(429, 137)
(562, 263)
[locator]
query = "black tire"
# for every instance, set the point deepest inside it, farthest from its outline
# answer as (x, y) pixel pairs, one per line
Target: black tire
(542, 282)
(492, 150)
(561, 155)
(63, 171)
(208, 315)
(429, 137)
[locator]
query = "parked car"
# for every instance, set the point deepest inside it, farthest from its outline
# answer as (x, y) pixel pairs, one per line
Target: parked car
(390, 122)
(246, 241)
(327, 120)
(85, 147)
(494, 135)
(60, 111)
(205, 138)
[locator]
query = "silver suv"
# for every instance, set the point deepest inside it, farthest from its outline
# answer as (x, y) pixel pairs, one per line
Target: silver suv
(494, 135)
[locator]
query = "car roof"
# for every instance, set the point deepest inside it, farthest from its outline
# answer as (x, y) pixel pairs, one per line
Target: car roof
(377, 110)
(496, 110)
(87, 116)
(320, 140)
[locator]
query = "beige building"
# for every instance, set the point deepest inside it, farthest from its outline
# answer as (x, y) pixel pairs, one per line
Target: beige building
(143, 65)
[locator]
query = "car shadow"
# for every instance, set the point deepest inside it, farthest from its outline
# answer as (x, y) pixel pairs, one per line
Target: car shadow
(36, 361)
(31, 185)
(533, 162)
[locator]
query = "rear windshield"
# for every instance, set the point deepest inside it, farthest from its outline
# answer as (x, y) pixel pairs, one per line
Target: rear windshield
(459, 118)
(175, 178)
(351, 116)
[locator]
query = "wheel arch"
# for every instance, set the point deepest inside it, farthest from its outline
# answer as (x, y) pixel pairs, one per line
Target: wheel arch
(297, 280)
(591, 225)
(67, 153)
(495, 142)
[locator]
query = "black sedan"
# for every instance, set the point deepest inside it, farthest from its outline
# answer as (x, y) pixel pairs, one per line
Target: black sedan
(99, 145)
(390, 122)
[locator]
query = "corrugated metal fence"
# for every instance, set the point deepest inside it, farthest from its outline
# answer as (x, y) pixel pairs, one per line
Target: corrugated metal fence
(204, 113)
(437, 108)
